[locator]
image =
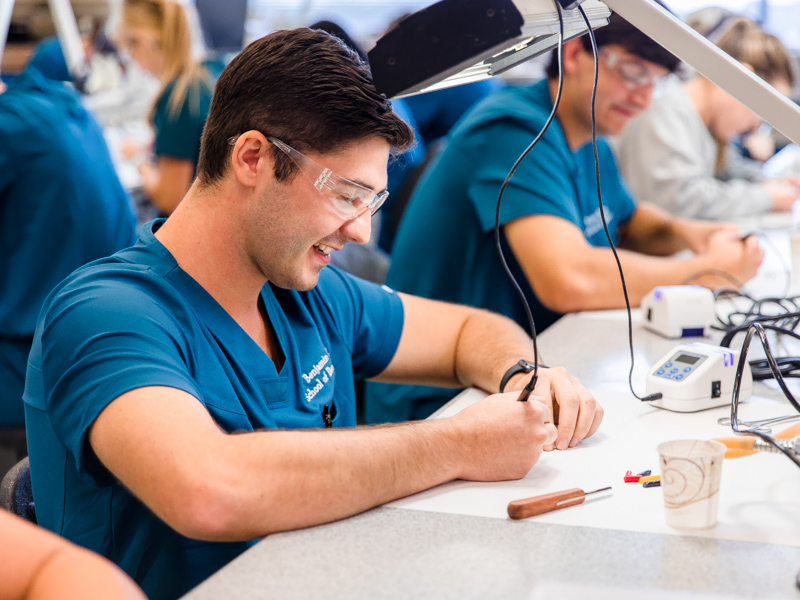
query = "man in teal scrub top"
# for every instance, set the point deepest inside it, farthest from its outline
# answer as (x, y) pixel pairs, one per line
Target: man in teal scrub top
(551, 227)
(61, 206)
(179, 392)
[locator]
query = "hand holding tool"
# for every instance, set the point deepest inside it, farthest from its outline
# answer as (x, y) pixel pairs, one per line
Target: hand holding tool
(521, 509)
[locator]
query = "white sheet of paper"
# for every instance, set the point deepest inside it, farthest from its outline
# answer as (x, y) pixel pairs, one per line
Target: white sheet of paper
(759, 499)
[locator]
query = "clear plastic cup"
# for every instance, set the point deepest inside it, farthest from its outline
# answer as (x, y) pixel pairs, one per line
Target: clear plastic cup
(691, 473)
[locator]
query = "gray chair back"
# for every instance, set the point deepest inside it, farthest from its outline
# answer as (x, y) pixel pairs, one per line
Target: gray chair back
(16, 494)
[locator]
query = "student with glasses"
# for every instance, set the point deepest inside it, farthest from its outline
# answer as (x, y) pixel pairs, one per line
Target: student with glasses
(676, 155)
(180, 393)
(551, 224)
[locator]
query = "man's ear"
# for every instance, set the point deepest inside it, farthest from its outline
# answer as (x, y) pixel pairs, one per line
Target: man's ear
(250, 157)
(571, 52)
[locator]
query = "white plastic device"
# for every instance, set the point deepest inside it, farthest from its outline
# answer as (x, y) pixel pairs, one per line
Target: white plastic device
(696, 376)
(678, 311)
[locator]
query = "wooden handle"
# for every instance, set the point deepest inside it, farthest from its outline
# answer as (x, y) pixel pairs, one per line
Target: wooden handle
(521, 509)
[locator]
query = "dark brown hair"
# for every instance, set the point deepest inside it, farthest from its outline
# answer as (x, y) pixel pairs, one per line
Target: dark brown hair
(622, 33)
(304, 87)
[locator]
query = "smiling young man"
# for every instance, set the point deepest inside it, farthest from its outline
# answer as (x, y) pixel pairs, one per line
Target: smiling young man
(172, 387)
(552, 229)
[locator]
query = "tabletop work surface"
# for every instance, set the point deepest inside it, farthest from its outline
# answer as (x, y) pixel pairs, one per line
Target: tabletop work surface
(391, 553)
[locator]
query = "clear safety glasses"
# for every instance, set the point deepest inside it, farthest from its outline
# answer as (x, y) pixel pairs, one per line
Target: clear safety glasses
(348, 198)
(632, 72)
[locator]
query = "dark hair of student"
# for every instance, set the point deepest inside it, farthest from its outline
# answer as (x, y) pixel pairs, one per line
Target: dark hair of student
(620, 32)
(304, 87)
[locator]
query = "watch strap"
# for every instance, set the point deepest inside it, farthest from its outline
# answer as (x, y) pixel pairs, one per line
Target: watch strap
(521, 366)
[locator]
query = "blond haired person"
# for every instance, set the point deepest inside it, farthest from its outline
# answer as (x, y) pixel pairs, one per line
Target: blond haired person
(162, 38)
(674, 154)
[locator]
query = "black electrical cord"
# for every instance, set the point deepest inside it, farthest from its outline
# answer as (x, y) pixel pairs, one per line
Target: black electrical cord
(717, 272)
(788, 366)
(534, 378)
(776, 372)
(657, 395)
(786, 317)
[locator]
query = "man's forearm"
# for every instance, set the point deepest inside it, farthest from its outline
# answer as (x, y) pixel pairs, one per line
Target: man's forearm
(314, 477)
(274, 481)
(208, 484)
(652, 231)
(595, 283)
(488, 345)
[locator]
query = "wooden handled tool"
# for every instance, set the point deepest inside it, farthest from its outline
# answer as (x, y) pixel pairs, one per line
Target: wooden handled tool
(747, 445)
(522, 509)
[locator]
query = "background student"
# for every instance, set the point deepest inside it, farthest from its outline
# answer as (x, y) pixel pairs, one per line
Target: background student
(550, 220)
(676, 154)
(163, 37)
(61, 206)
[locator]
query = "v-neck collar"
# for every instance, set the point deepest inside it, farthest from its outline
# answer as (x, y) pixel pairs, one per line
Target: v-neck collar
(222, 325)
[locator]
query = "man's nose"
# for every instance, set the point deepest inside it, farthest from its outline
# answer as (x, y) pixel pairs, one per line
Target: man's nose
(359, 229)
(641, 96)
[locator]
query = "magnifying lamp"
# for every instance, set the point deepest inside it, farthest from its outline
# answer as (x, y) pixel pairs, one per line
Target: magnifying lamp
(458, 41)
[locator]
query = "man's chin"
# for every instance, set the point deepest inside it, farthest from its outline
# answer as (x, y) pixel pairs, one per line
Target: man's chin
(304, 283)
(617, 124)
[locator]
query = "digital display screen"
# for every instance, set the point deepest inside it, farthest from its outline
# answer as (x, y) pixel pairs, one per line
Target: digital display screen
(687, 358)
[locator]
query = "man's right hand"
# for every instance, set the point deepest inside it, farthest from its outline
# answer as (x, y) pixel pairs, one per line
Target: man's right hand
(503, 438)
(730, 254)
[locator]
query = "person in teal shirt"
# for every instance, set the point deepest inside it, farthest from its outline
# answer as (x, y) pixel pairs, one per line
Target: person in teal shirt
(48, 59)
(61, 206)
(177, 134)
(195, 393)
(163, 37)
(551, 226)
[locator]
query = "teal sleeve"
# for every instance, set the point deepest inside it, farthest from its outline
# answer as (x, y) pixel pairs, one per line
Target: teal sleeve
(614, 186)
(6, 169)
(542, 184)
(99, 340)
(368, 316)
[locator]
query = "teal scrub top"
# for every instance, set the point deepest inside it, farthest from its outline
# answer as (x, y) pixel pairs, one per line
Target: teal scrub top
(137, 319)
(48, 59)
(61, 206)
(437, 112)
(178, 135)
(400, 167)
(445, 246)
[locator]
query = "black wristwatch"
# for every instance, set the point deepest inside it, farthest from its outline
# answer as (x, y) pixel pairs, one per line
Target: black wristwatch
(522, 366)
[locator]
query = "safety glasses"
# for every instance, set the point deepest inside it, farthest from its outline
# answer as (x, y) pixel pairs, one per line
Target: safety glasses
(632, 72)
(348, 198)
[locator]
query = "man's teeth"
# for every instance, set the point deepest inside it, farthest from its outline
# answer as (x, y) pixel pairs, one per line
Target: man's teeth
(323, 249)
